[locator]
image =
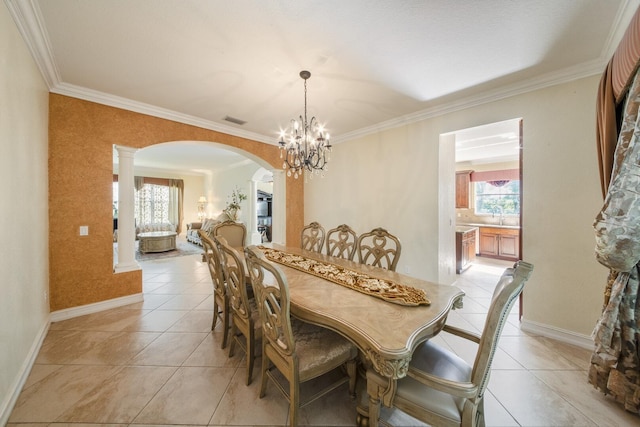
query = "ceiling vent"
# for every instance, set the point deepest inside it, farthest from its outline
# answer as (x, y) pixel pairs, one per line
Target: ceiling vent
(234, 120)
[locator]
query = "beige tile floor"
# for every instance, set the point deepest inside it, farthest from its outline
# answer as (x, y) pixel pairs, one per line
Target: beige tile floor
(159, 363)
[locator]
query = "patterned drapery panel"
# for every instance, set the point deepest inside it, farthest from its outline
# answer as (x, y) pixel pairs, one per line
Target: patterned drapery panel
(615, 362)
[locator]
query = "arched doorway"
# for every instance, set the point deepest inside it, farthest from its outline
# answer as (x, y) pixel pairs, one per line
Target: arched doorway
(210, 172)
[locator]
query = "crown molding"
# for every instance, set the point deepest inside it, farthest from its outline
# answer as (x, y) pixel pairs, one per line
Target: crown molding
(27, 17)
(540, 82)
(625, 13)
(620, 24)
(151, 110)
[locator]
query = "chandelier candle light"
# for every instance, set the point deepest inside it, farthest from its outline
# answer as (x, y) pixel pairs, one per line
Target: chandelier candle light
(305, 144)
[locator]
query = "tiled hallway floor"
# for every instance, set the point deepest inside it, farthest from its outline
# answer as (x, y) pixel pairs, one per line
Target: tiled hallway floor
(158, 363)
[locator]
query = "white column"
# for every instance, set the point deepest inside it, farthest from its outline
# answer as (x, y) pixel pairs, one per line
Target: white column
(279, 205)
(255, 237)
(126, 223)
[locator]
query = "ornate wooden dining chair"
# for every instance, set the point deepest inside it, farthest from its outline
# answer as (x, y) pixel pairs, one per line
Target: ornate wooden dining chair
(379, 248)
(299, 350)
(246, 327)
(234, 232)
(312, 237)
(342, 242)
(441, 389)
(212, 257)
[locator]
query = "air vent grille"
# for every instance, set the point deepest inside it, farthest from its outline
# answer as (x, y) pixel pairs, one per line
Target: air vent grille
(234, 120)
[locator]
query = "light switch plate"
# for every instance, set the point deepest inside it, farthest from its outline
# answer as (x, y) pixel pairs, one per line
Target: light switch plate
(84, 230)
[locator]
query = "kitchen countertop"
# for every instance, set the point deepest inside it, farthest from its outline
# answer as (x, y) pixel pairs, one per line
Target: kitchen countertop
(465, 228)
(511, 227)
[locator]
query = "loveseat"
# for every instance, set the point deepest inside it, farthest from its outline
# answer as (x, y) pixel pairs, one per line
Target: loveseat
(160, 226)
(192, 232)
(206, 226)
(163, 226)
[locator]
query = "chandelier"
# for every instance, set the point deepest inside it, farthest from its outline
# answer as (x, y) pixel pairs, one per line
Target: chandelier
(305, 144)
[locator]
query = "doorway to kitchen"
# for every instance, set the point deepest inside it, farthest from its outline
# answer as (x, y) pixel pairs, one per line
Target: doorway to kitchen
(488, 194)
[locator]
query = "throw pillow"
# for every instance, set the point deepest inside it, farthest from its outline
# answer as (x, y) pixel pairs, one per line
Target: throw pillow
(208, 225)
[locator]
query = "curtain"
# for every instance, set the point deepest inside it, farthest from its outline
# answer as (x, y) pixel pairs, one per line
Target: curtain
(615, 362)
(159, 201)
(176, 191)
(138, 182)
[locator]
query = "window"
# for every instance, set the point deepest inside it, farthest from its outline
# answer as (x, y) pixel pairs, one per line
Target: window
(497, 197)
(157, 202)
(152, 204)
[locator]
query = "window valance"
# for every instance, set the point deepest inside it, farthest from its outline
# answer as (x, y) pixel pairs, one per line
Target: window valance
(149, 180)
(500, 175)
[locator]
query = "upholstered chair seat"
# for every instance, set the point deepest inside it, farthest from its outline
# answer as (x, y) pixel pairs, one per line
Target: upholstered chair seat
(440, 388)
(291, 348)
(316, 346)
(435, 360)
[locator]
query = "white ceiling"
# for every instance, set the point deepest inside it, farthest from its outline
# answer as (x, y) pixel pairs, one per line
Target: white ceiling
(489, 143)
(373, 64)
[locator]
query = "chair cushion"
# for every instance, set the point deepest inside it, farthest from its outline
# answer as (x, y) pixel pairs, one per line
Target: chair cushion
(318, 347)
(435, 360)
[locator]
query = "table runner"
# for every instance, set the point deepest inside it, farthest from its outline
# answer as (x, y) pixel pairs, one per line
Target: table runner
(380, 288)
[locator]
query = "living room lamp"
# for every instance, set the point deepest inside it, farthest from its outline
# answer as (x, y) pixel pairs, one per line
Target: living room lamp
(305, 144)
(202, 201)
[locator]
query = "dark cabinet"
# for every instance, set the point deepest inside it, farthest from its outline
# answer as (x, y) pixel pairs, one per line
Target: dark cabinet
(465, 249)
(463, 180)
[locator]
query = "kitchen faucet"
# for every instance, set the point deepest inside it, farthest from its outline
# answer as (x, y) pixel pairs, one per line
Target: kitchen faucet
(500, 210)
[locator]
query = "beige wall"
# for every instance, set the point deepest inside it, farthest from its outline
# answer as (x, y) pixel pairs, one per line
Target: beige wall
(391, 179)
(227, 181)
(24, 265)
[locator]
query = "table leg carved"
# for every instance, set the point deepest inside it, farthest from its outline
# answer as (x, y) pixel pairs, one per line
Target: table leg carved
(369, 407)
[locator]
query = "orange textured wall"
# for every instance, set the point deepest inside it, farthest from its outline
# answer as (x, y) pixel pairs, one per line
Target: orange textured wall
(81, 139)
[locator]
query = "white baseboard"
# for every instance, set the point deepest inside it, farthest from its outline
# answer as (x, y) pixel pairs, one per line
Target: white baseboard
(569, 337)
(69, 313)
(14, 390)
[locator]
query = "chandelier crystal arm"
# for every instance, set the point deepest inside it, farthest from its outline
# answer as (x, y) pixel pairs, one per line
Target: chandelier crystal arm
(304, 145)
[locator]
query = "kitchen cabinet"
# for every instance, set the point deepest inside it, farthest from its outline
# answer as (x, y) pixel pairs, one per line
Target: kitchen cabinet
(465, 247)
(463, 180)
(502, 243)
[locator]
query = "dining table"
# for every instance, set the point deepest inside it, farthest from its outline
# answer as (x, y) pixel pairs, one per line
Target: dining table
(385, 328)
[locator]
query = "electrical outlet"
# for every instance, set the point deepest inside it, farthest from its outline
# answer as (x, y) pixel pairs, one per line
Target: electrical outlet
(407, 269)
(46, 296)
(84, 230)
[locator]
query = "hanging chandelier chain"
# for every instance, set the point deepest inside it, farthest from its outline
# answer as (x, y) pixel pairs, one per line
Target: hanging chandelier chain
(305, 104)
